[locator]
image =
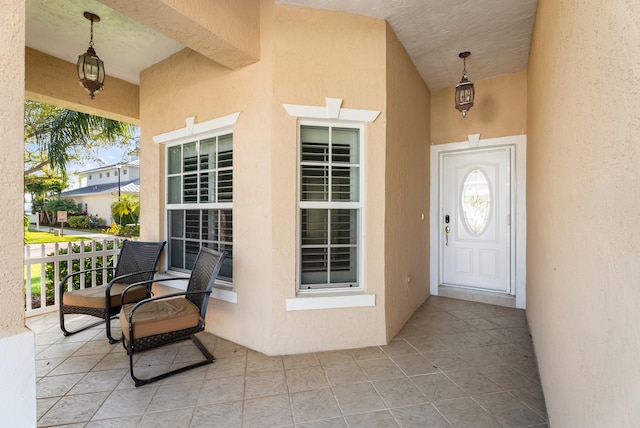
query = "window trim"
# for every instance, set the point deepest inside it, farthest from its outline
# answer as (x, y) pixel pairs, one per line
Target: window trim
(326, 299)
(194, 132)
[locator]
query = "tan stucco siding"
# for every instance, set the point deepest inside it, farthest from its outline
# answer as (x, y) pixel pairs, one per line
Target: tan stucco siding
(307, 55)
(54, 81)
(583, 210)
(406, 188)
(499, 110)
(11, 167)
(319, 54)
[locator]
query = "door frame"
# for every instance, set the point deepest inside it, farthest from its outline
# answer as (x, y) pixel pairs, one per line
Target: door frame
(518, 215)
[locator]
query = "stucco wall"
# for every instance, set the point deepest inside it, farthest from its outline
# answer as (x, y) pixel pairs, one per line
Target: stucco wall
(583, 210)
(499, 110)
(17, 346)
(406, 241)
(307, 55)
(54, 81)
(11, 166)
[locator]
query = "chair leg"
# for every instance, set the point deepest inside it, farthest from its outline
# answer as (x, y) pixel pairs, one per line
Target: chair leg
(108, 328)
(67, 332)
(205, 352)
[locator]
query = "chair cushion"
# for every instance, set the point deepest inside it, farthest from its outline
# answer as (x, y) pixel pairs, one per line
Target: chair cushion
(94, 297)
(159, 317)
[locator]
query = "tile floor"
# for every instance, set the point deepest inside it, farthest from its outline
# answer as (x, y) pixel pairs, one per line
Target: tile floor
(454, 364)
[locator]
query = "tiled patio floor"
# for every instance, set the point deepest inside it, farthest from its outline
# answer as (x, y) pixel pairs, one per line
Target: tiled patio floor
(455, 363)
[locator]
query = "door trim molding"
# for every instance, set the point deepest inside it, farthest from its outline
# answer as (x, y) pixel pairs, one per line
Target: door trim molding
(518, 218)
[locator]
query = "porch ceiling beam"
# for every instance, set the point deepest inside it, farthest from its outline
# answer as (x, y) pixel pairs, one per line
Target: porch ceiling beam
(225, 31)
(54, 81)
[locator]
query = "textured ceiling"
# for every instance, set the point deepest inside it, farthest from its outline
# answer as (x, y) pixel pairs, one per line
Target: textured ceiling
(496, 32)
(434, 32)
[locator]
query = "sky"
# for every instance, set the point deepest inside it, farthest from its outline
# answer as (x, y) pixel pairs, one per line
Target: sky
(110, 156)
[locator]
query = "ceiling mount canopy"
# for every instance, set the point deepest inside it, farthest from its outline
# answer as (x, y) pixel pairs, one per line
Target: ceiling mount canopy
(465, 91)
(90, 66)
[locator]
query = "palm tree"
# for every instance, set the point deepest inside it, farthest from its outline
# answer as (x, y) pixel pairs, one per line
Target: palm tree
(54, 136)
(128, 207)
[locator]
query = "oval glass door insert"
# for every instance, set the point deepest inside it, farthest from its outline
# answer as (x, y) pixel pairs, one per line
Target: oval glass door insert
(476, 201)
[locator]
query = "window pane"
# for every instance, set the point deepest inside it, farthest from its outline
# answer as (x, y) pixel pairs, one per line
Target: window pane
(225, 151)
(225, 186)
(176, 225)
(175, 190)
(190, 161)
(314, 183)
(191, 249)
(175, 155)
(314, 143)
(190, 189)
(344, 145)
(313, 266)
(209, 225)
(344, 262)
(344, 227)
(208, 154)
(225, 220)
(177, 253)
(192, 224)
(226, 271)
(314, 226)
(344, 184)
(207, 186)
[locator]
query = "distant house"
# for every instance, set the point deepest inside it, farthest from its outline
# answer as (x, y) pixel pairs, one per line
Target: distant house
(100, 188)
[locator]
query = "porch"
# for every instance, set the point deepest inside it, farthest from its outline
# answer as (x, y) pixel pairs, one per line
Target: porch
(455, 363)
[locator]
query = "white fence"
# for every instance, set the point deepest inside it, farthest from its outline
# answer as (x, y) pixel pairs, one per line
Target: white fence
(46, 262)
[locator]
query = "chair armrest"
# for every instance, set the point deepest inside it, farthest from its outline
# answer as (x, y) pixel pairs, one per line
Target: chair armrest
(126, 275)
(72, 274)
(151, 281)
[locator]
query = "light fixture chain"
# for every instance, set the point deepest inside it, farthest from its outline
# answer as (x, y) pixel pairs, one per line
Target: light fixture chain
(91, 41)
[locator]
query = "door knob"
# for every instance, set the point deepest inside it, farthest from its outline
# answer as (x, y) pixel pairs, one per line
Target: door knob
(447, 229)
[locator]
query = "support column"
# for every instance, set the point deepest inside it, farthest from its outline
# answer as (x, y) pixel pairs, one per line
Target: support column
(17, 343)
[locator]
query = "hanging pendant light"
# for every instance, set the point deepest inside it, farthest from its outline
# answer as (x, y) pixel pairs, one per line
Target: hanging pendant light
(90, 66)
(464, 90)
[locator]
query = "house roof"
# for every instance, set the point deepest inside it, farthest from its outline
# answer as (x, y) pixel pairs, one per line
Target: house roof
(133, 164)
(132, 186)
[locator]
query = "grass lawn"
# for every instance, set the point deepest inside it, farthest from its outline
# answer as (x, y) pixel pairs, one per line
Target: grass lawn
(35, 278)
(32, 237)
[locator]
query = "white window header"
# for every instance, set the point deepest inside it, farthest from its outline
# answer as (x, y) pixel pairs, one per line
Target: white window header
(331, 111)
(195, 131)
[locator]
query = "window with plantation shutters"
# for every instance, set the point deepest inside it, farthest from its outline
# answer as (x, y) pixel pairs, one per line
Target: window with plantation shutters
(329, 207)
(200, 201)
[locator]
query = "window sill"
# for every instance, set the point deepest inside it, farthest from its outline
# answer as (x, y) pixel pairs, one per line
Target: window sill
(221, 291)
(314, 301)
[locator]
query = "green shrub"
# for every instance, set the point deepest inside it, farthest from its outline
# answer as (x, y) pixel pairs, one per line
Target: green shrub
(79, 222)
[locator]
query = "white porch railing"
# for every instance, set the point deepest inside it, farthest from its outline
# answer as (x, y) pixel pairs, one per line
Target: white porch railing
(52, 265)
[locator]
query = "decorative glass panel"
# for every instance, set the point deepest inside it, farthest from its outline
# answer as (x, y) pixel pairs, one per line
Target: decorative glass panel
(476, 201)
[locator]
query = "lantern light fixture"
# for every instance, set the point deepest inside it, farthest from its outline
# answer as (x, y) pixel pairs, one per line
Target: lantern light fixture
(90, 66)
(464, 90)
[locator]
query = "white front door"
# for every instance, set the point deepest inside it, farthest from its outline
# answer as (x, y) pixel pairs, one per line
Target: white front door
(475, 219)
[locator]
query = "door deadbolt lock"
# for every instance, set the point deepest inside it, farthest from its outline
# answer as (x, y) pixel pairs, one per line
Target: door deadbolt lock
(446, 218)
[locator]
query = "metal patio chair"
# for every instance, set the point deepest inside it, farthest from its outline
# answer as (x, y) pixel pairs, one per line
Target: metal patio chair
(137, 262)
(178, 316)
